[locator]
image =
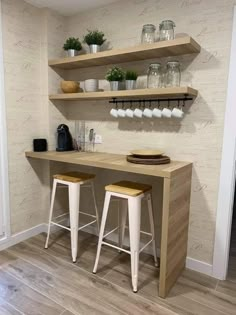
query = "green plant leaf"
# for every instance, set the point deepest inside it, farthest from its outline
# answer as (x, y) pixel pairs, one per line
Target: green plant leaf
(131, 75)
(72, 43)
(115, 74)
(94, 38)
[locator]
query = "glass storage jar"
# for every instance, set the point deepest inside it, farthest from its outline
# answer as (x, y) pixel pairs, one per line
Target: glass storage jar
(154, 78)
(166, 30)
(148, 34)
(173, 74)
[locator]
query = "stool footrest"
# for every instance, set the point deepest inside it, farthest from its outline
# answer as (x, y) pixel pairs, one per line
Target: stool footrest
(69, 229)
(88, 214)
(116, 247)
(104, 236)
(85, 225)
(124, 250)
(61, 226)
(144, 246)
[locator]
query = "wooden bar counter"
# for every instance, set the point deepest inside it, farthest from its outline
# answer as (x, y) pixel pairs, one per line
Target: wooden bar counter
(175, 209)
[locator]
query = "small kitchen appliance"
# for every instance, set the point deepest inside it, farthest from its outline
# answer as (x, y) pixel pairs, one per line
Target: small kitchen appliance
(40, 145)
(64, 138)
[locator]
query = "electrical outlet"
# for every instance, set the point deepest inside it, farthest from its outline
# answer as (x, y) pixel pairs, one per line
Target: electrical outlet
(98, 139)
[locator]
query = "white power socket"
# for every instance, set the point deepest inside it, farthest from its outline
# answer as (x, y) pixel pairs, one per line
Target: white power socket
(98, 139)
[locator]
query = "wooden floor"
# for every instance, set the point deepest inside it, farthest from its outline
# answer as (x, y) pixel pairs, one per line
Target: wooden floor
(38, 281)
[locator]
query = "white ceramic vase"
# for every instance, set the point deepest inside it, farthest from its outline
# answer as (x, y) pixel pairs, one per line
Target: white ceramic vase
(130, 84)
(91, 85)
(94, 49)
(72, 53)
(114, 85)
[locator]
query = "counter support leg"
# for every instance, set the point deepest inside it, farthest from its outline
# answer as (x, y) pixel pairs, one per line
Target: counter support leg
(174, 233)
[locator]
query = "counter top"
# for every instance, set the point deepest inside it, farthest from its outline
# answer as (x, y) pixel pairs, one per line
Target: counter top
(110, 161)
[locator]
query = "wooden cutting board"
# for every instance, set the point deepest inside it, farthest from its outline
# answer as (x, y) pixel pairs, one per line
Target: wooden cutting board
(148, 161)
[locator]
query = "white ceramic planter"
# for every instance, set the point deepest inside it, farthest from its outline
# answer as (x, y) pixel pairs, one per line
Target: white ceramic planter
(114, 85)
(94, 49)
(91, 85)
(72, 53)
(130, 84)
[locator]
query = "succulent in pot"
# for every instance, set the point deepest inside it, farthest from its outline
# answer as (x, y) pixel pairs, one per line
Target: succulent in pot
(94, 39)
(72, 46)
(130, 80)
(115, 75)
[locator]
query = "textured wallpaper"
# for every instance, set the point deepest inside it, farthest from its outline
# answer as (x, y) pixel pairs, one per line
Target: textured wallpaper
(196, 138)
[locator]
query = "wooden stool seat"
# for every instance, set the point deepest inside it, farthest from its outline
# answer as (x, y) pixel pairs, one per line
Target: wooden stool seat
(74, 177)
(128, 188)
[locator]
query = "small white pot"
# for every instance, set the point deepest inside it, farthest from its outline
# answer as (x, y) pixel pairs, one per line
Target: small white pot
(130, 84)
(114, 85)
(94, 49)
(91, 85)
(72, 53)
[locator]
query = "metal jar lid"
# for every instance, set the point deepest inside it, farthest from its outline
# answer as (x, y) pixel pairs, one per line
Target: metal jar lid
(149, 27)
(173, 64)
(167, 24)
(155, 65)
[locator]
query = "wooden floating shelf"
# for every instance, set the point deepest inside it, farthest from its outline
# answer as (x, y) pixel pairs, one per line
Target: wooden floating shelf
(179, 46)
(151, 93)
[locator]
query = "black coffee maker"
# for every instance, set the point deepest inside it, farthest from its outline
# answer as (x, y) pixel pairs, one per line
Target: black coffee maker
(64, 138)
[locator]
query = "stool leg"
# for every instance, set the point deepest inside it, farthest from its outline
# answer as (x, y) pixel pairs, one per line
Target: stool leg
(54, 187)
(134, 210)
(74, 198)
(122, 220)
(102, 229)
(95, 205)
(150, 211)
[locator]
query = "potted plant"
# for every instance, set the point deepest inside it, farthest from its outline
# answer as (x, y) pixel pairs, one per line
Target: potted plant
(94, 39)
(72, 46)
(115, 75)
(130, 80)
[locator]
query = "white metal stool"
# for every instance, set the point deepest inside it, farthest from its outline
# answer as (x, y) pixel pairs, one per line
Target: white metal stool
(132, 194)
(73, 180)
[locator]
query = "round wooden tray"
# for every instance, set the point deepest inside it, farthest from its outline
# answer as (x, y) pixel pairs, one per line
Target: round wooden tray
(149, 161)
(147, 153)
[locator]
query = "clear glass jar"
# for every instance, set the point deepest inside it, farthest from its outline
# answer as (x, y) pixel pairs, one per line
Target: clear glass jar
(154, 78)
(166, 30)
(173, 74)
(148, 34)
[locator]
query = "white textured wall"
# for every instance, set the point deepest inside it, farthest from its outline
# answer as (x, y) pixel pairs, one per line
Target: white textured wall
(198, 137)
(31, 36)
(22, 45)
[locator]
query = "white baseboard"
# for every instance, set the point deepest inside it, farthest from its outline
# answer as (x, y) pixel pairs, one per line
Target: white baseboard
(22, 236)
(199, 266)
(191, 263)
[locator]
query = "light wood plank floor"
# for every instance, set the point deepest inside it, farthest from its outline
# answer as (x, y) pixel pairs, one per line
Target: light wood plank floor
(37, 281)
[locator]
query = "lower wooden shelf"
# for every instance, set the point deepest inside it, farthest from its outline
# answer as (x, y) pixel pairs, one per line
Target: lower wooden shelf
(124, 94)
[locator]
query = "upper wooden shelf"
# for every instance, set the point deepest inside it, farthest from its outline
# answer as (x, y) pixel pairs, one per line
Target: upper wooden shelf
(175, 47)
(160, 92)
